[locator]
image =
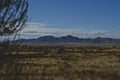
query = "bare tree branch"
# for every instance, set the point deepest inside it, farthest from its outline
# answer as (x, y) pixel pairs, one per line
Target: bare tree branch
(13, 15)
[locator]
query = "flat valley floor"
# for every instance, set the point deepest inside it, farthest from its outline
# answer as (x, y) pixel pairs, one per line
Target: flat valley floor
(61, 62)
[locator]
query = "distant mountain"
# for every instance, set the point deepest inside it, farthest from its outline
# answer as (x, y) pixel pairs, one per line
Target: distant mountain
(69, 39)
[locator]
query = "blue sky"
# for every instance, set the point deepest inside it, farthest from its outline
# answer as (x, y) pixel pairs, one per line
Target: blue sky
(83, 18)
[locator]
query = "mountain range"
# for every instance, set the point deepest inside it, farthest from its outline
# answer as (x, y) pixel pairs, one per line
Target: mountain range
(69, 39)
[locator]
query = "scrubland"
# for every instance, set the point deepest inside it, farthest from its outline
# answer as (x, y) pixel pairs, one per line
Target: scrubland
(61, 62)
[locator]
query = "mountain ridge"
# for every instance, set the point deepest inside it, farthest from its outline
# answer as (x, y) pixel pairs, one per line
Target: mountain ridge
(69, 39)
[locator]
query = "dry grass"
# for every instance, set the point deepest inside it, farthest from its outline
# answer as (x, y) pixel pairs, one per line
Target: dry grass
(65, 63)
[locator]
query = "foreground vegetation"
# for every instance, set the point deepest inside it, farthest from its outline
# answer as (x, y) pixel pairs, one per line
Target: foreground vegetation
(60, 62)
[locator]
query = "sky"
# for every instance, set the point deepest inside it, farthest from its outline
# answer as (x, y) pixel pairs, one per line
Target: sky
(83, 14)
(82, 18)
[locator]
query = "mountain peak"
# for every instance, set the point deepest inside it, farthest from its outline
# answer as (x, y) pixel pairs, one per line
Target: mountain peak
(70, 39)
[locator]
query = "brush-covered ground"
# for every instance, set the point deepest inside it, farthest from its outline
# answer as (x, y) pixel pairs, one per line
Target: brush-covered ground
(61, 62)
